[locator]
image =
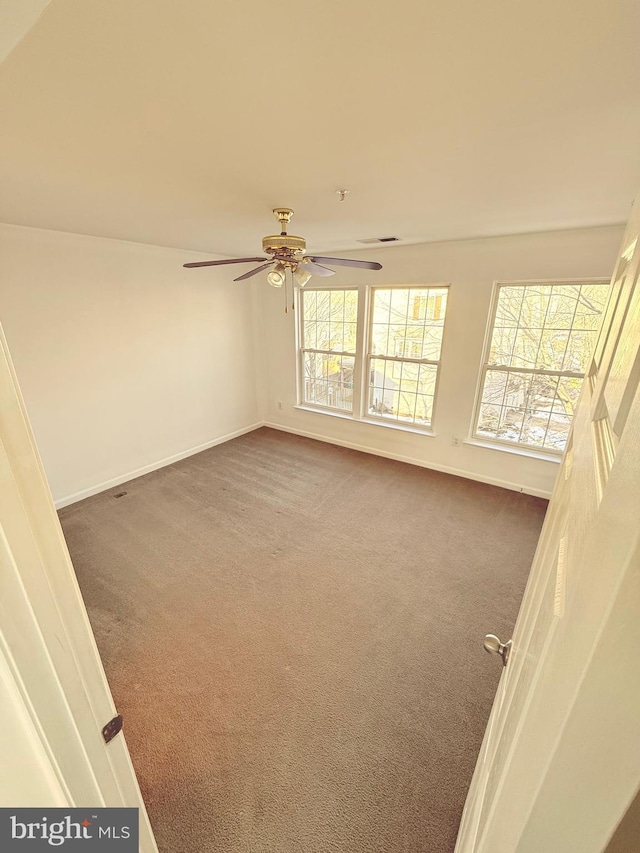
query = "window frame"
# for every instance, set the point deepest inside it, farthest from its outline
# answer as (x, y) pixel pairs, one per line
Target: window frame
(301, 350)
(502, 443)
(363, 355)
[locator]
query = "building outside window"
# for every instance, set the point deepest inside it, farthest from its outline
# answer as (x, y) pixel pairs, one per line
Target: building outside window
(537, 352)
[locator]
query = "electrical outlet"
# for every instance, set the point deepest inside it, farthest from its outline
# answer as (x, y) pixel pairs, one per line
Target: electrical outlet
(455, 440)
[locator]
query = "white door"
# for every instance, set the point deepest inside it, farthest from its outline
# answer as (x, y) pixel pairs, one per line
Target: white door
(47, 649)
(560, 761)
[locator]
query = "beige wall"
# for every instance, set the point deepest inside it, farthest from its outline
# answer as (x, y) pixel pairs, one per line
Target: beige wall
(471, 266)
(125, 359)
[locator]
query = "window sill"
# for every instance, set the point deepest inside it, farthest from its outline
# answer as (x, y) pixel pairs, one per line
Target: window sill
(319, 411)
(400, 427)
(372, 421)
(517, 451)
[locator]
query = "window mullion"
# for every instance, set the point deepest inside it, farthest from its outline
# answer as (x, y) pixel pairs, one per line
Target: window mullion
(362, 338)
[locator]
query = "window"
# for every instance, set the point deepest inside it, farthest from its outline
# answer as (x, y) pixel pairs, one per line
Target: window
(537, 353)
(383, 366)
(329, 347)
(405, 339)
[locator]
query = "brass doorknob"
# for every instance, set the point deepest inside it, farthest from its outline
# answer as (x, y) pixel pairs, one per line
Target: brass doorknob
(495, 646)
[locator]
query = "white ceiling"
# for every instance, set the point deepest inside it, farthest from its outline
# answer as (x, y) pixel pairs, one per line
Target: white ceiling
(183, 124)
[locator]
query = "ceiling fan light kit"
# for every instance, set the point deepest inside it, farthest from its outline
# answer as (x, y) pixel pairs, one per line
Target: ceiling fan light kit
(301, 274)
(287, 252)
(276, 277)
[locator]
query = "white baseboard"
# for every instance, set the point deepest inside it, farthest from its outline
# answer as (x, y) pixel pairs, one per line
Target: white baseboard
(445, 469)
(131, 475)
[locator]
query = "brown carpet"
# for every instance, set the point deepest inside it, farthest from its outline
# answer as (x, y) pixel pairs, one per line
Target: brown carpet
(293, 633)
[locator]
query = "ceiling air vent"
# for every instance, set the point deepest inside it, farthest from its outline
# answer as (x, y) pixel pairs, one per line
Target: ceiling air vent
(369, 240)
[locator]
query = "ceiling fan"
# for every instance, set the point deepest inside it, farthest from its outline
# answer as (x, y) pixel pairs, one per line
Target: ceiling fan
(287, 251)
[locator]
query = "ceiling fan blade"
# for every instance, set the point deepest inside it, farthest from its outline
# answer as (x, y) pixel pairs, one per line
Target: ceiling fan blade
(230, 261)
(347, 262)
(316, 269)
(253, 272)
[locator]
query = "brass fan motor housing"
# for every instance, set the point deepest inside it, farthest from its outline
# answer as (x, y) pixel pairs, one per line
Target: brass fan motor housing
(286, 244)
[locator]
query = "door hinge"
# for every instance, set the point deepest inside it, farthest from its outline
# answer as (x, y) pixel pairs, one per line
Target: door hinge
(112, 728)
